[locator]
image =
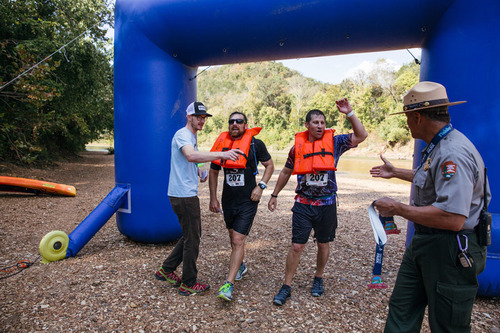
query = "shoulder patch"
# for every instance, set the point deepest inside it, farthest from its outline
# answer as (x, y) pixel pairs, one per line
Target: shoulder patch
(448, 169)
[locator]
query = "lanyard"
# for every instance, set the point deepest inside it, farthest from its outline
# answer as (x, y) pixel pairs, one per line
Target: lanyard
(435, 140)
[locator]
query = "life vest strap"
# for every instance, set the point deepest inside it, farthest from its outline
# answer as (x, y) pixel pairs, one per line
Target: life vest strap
(243, 154)
(323, 153)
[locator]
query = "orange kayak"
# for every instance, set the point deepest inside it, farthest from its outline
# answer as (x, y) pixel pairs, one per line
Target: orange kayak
(15, 184)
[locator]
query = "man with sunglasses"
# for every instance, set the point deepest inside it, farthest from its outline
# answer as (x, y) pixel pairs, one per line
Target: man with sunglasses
(241, 193)
(313, 159)
(183, 196)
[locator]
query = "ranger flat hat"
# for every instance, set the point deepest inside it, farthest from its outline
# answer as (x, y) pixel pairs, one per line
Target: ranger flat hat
(426, 95)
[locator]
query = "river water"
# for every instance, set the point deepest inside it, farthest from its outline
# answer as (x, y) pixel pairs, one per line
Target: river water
(358, 167)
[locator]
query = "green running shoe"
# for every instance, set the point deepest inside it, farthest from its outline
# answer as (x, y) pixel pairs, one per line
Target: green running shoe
(226, 292)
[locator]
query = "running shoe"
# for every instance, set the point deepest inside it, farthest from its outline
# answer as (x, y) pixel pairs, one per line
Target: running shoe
(226, 291)
(241, 271)
(194, 289)
(317, 289)
(284, 294)
(170, 277)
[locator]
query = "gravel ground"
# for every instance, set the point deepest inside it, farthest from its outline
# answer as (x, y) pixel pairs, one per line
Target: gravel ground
(109, 286)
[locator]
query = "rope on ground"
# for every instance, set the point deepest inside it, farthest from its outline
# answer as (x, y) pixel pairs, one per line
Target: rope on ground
(20, 266)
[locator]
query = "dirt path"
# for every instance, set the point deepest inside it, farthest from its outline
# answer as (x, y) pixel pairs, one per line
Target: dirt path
(109, 285)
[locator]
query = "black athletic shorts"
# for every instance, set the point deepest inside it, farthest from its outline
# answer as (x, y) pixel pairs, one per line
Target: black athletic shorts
(323, 219)
(240, 219)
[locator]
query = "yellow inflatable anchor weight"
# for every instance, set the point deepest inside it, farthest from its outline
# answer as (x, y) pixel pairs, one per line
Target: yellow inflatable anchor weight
(54, 246)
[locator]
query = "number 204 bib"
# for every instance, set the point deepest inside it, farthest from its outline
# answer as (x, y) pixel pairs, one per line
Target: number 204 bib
(317, 179)
(236, 178)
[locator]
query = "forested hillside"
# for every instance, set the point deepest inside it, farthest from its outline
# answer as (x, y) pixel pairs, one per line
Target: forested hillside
(277, 99)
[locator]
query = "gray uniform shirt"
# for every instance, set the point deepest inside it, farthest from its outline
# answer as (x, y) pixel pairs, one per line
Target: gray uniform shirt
(452, 179)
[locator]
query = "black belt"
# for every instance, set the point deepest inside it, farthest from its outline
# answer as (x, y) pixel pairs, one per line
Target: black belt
(420, 229)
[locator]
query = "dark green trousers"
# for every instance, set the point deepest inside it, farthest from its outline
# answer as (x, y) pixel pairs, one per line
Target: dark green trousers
(431, 275)
(188, 247)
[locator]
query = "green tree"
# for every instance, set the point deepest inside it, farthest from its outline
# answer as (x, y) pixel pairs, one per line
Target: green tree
(324, 100)
(65, 101)
(302, 90)
(393, 129)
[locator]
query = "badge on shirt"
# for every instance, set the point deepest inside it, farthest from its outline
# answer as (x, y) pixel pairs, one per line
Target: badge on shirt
(448, 169)
(427, 164)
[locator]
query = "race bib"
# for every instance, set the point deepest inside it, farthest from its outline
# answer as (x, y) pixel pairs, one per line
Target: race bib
(236, 179)
(317, 179)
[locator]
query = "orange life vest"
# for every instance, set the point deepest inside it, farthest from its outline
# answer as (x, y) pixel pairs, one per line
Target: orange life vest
(224, 143)
(311, 157)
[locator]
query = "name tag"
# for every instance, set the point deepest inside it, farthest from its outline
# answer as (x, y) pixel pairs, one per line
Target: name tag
(317, 179)
(236, 179)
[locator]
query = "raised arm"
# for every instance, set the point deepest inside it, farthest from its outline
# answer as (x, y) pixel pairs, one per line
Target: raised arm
(387, 170)
(359, 132)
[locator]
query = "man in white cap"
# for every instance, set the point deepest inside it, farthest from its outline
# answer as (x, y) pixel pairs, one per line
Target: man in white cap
(441, 264)
(183, 195)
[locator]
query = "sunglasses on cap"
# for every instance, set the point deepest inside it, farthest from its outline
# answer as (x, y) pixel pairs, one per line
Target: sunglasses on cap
(238, 121)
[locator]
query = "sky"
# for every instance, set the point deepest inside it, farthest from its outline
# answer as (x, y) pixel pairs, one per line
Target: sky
(334, 69)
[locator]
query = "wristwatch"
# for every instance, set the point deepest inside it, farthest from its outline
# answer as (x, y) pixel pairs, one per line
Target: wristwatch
(262, 185)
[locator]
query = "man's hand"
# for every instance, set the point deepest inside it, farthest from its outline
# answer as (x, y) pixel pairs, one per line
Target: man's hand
(232, 154)
(214, 205)
(203, 174)
(386, 206)
(271, 205)
(343, 105)
(385, 170)
(256, 193)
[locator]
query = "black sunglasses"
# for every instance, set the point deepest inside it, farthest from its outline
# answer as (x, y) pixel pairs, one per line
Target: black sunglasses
(238, 121)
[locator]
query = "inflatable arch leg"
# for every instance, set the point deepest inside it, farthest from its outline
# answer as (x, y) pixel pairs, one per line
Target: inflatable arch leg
(450, 57)
(150, 106)
(56, 245)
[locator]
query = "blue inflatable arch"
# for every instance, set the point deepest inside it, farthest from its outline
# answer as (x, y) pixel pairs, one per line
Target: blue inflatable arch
(159, 45)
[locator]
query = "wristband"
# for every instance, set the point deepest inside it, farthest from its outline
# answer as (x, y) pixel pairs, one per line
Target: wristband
(350, 114)
(274, 196)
